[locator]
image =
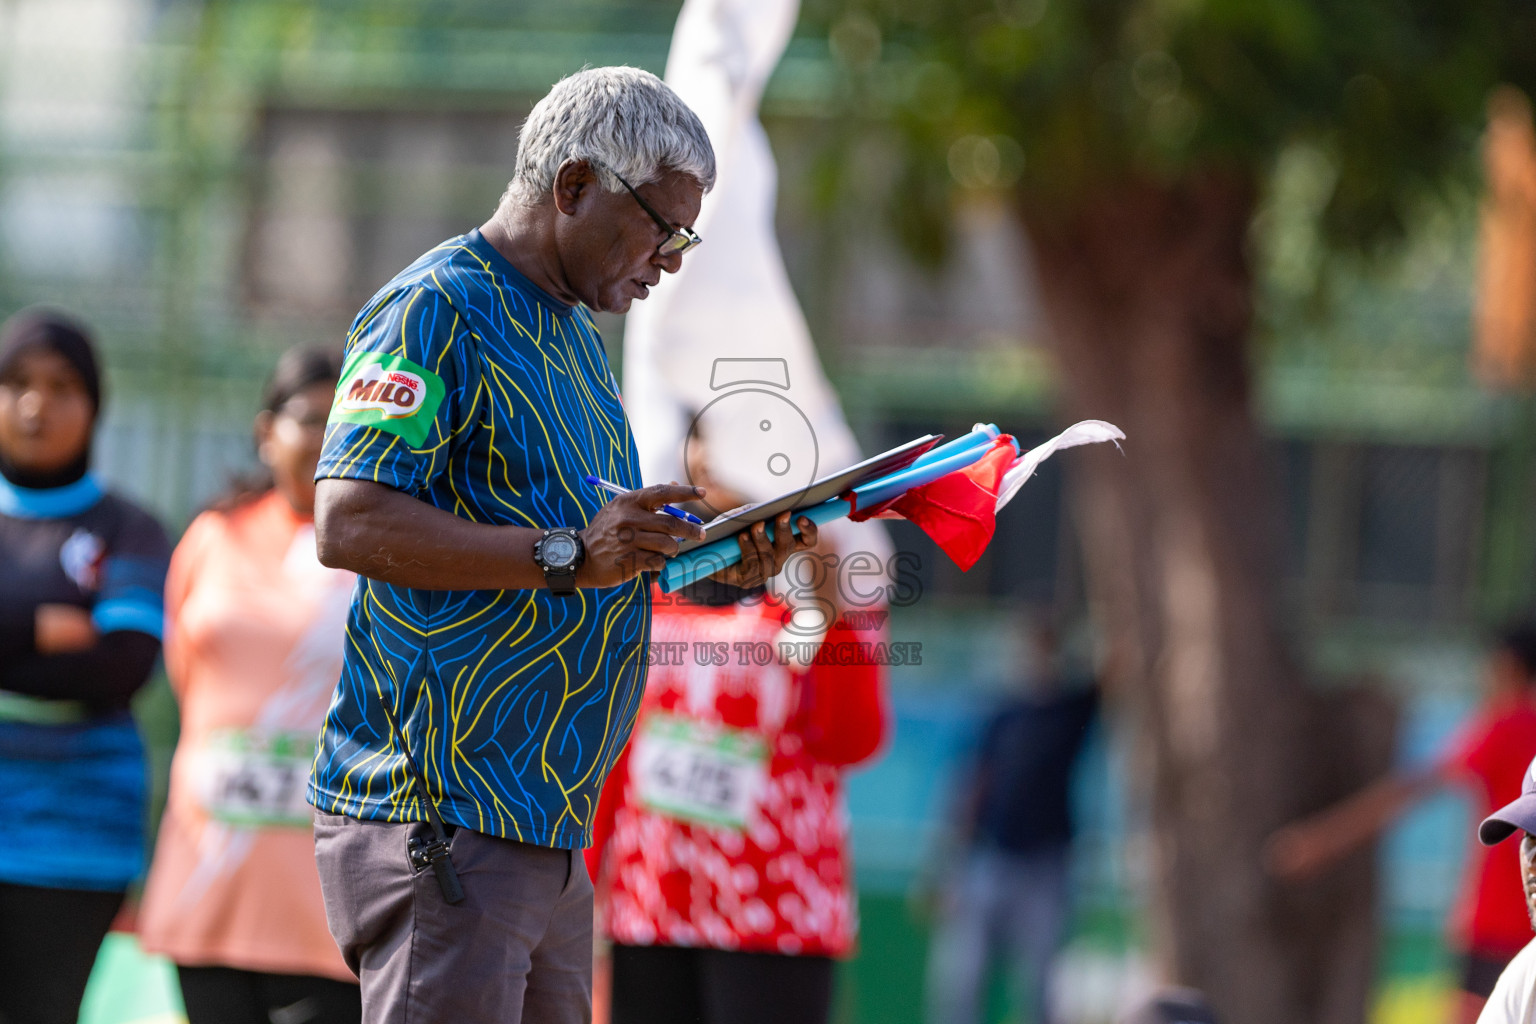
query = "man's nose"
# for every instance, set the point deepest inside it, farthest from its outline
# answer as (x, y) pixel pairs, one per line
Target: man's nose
(671, 262)
(30, 403)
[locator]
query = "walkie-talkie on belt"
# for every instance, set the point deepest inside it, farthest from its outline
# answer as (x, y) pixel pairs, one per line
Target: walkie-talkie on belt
(430, 852)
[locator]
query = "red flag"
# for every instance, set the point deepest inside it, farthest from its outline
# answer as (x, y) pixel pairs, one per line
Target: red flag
(959, 509)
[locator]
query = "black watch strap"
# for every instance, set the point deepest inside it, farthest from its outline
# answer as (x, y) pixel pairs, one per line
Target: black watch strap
(561, 583)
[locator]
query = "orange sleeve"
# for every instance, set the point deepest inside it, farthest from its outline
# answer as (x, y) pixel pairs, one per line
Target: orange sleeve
(847, 713)
(186, 560)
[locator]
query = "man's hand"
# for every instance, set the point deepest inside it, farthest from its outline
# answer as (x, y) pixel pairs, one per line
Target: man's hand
(62, 629)
(761, 558)
(628, 536)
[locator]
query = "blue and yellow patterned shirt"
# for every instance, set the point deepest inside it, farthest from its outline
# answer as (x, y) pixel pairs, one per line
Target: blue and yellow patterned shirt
(469, 388)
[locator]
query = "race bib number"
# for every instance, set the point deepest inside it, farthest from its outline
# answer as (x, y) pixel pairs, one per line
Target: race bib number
(705, 774)
(256, 780)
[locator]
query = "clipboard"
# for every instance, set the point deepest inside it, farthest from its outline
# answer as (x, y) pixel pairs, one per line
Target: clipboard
(728, 524)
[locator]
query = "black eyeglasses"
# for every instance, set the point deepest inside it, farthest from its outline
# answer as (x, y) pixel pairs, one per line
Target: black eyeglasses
(678, 240)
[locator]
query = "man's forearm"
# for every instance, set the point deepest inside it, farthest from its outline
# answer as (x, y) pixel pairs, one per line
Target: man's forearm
(384, 534)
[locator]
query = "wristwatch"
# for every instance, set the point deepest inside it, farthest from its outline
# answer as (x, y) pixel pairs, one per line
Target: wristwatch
(560, 553)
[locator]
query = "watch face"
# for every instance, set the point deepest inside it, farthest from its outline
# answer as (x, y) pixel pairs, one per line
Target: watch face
(559, 550)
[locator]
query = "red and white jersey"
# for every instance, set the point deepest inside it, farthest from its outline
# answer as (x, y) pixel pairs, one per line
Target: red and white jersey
(723, 825)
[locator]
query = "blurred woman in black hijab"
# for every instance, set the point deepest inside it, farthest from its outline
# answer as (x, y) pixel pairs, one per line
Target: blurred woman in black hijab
(81, 578)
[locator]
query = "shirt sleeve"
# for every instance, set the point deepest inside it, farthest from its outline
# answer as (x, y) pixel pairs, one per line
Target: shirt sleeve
(405, 392)
(132, 594)
(1515, 994)
(847, 718)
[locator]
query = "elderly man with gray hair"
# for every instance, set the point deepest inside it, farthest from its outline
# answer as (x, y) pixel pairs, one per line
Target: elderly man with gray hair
(497, 641)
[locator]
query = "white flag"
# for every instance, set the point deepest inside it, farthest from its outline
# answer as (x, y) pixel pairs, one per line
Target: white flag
(1080, 433)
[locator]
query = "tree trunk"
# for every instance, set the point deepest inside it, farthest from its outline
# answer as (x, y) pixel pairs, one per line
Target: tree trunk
(1149, 294)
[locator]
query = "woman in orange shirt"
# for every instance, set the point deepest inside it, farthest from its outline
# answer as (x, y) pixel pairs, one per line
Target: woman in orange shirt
(254, 628)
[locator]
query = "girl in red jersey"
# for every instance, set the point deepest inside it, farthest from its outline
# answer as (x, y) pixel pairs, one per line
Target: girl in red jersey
(721, 853)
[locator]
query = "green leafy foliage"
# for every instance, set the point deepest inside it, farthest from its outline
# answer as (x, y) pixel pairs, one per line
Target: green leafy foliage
(1057, 100)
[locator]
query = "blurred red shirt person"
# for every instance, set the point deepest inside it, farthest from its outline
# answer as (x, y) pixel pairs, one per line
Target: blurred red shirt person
(1489, 757)
(721, 853)
(1514, 997)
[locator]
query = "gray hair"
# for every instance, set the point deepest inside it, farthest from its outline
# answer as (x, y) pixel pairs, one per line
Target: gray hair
(618, 119)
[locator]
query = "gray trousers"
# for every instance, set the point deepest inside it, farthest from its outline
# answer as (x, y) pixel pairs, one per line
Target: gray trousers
(519, 948)
(1001, 908)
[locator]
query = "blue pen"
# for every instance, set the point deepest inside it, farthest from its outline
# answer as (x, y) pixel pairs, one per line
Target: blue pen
(671, 510)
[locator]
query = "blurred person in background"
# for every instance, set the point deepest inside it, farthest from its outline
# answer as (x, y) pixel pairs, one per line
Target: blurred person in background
(81, 575)
(721, 853)
(1488, 757)
(255, 627)
(1513, 1000)
(1009, 897)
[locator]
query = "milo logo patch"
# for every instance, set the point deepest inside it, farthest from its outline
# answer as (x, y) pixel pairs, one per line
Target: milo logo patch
(392, 392)
(389, 393)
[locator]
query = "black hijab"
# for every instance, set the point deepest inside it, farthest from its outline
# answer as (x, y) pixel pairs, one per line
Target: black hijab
(33, 329)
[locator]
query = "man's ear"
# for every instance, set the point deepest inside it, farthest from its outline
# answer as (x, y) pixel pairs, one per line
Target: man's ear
(574, 182)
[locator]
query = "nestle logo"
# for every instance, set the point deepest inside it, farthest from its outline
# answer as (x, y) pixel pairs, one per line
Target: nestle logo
(406, 379)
